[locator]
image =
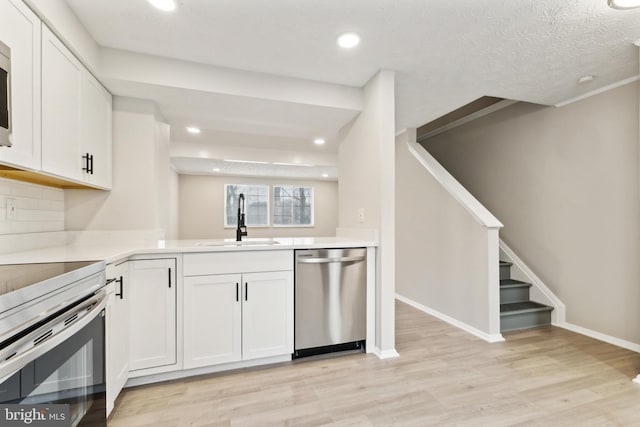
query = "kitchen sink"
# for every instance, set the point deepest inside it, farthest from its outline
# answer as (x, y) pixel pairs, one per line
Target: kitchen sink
(245, 242)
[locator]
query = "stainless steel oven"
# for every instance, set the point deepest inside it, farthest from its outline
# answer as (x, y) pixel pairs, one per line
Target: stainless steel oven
(5, 95)
(52, 355)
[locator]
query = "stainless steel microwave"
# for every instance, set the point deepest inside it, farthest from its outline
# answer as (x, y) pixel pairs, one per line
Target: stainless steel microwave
(5, 95)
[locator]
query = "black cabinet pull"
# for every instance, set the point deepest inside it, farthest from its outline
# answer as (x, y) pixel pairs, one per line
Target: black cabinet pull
(121, 282)
(237, 291)
(87, 164)
(246, 291)
(91, 164)
(169, 276)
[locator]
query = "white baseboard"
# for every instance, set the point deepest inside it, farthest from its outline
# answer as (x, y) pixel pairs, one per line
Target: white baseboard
(601, 337)
(385, 354)
(177, 374)
(491, 338)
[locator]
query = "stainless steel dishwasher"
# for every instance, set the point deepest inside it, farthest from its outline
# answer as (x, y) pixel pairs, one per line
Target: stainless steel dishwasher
(330, 300)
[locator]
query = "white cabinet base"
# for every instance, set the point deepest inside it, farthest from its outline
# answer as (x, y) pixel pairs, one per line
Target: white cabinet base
(150, 379)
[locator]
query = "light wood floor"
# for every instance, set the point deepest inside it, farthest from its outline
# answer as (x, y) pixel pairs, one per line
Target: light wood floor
(542, 377)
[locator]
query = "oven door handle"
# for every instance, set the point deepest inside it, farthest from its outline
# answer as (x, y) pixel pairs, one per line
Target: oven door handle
(27, 349)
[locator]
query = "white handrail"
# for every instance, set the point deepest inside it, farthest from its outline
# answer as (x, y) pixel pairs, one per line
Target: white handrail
(468, 202)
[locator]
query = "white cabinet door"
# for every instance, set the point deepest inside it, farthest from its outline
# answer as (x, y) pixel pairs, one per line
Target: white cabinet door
(117, 333)
(20, 30)
(152, 313)
(96, 130)
(212, 320)
(61, 109)
(267, 314)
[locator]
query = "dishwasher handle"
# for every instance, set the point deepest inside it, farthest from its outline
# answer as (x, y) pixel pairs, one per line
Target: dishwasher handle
(327, 260)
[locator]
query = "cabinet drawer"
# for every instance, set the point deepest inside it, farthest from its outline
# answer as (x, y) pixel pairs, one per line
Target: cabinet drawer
(237, 262)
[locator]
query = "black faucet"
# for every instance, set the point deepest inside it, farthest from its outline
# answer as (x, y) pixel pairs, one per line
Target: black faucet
(242, 228)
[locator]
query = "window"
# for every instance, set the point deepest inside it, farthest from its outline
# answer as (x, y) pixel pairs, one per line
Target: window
(292, 206)
(256, 204)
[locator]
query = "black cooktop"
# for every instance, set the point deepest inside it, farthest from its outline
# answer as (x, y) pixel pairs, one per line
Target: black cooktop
(18, 276)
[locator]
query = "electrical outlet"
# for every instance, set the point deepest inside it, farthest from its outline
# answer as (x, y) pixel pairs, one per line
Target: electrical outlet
(12, 212)
(361, 215)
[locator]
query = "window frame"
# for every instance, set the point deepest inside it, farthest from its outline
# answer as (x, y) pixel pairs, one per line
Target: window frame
(313, 204)
(235, 225)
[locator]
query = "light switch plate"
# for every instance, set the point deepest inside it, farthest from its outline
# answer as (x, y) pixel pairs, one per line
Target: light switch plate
(12, 212)
(361, 215)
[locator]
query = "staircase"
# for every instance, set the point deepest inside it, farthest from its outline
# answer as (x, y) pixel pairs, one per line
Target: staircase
(517, 311)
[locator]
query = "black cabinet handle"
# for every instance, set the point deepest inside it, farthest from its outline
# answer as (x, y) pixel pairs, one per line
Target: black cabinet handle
(169, 277)
(246, 291)
(91, 164)
(87, 165)
(121, 282)
(237, 291)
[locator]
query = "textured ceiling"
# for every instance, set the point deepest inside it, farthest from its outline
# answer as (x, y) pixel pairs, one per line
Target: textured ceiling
(445, 53)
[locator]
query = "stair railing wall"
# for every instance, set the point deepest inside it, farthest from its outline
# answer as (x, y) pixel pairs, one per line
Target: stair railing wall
(447, 244)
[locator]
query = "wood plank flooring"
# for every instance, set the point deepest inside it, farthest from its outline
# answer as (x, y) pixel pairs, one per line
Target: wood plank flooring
(443, 377)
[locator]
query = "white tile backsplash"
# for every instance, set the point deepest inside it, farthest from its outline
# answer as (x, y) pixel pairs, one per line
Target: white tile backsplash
(39, 220)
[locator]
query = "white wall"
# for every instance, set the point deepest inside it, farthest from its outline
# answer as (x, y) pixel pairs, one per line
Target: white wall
(173, 230)
(202, 208)
(564, 181)
(444, 256)
(162, 171)
(366, 185)
(139, 197)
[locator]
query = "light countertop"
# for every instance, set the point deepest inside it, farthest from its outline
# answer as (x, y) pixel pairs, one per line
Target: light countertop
(113, 252)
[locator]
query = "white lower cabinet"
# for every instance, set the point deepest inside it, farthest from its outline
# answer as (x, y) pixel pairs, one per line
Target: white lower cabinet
(152, 313)
(117, 332)
(159, 322)
(212, 320)
(235, 317)
(267, 314)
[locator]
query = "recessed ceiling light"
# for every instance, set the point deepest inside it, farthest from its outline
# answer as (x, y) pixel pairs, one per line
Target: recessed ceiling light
(245, 161)
(325, 175)
(319, 141)
(193, 129)
(349, 40)
(585, 79)
(292, 164)
(216, 169)
(624, 4)
(164, 5)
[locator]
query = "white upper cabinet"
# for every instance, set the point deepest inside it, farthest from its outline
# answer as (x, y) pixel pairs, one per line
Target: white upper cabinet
(20, 30)
(76, 118)
(95, 131)
(61, 101)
